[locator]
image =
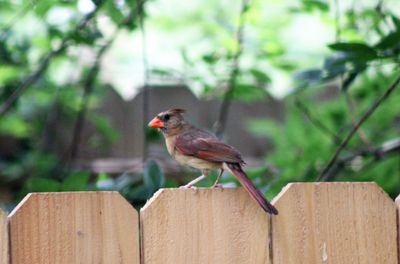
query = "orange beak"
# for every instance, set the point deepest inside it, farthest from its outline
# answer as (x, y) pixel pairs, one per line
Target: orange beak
(156, 123)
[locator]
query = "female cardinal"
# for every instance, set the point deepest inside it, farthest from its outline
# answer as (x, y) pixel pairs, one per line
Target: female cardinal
(202, 150)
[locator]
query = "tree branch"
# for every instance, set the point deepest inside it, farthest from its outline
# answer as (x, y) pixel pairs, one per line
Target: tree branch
(364, 117)
(351, 109)
(384, 150)
(87, 91)
(88, 85)
(318, 124)
(146, 67)
(31, 79)
(17, 16)
(344, 83)
(226, 101)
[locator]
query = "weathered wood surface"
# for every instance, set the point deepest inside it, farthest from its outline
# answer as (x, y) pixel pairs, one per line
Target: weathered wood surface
(80, 227)
(334, 223)
(398, 226)
(204, 226)
(3, 238)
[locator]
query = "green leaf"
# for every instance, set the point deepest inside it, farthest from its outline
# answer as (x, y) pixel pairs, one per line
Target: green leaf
(248, 92)
(310, 5)
(162, 72)
(14, 125)
(76, 182)
(153, 177)
(151, 134)
(358, 54)
(43, 185)
(8, 73)
(139, 193)
(113, 11)
(97, 2)
(211, 58)
(42, 7)
(396, 21)
(350, 79)
(389, 41)
(105, 183)
(260, 76)
(102, 176)
(359, 48)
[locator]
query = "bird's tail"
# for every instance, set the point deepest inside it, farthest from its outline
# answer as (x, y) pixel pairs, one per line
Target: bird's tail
(238, 172)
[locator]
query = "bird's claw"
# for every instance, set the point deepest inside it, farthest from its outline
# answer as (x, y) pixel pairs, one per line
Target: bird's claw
(217, 185)
(188, 186)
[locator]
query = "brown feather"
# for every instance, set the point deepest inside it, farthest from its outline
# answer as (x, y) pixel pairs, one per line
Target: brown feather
(202, 150)
(237, 171)
(201, 144)
(175, 111)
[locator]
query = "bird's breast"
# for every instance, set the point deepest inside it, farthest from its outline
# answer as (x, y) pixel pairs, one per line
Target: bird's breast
(196, 162)
(170, 142)
(189, 160)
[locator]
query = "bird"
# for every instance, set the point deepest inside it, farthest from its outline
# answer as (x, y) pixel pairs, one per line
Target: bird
(202, 150)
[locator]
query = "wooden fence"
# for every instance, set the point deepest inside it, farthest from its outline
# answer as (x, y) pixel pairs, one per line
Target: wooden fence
(317, 223)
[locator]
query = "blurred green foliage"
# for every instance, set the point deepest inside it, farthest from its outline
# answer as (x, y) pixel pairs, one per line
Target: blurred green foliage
(364, 63)
(136, 187)
(345, 77)
(32, 32)
(356, 67)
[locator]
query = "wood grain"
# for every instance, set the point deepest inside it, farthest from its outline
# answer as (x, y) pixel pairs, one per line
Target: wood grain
(80, 227)
(204, 226)
(3, 238)
(334, 223)
(398, 226)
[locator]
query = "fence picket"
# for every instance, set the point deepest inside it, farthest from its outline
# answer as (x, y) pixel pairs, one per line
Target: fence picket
(398, 226)
(3, 238)
(80, 227)
(203, 226)
(334, 223)
(317, 223)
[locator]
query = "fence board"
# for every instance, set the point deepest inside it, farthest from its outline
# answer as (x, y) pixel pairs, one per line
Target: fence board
(334, 223)
(81, 227)
(203, 226)
(398, 226)
(3, 238)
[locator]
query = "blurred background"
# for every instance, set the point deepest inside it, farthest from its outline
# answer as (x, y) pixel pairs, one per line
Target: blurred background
(285, 82)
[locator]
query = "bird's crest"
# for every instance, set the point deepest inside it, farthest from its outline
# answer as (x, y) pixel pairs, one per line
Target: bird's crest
(176, 111)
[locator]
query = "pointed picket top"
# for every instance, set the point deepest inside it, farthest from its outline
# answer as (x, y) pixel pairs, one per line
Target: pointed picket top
(204, 225)
(3, 238)
(74, 227)
(334, 223)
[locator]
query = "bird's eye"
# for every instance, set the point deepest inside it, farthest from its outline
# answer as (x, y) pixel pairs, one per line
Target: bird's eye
(166, 117)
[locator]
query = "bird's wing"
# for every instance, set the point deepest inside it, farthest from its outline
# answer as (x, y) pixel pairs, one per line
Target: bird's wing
(201, 145)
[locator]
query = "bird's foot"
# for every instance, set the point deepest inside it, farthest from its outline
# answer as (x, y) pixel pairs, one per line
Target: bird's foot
(188, 186)
(217, 185)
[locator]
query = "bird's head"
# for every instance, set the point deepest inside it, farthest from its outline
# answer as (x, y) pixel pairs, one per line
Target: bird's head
(168, 121)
